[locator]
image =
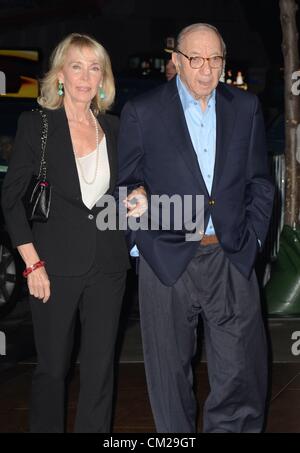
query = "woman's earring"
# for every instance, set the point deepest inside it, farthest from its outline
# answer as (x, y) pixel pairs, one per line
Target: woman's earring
(102, 92)
(60, 89)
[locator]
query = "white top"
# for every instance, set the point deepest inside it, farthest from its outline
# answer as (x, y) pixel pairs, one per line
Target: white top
(91, 193)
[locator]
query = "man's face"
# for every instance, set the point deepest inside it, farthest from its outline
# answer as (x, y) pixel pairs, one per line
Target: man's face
(203, 43)
(170, 70)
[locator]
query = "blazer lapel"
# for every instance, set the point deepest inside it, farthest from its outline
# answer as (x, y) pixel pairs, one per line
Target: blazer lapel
(225, 120)
(64, 159)
(175, 124)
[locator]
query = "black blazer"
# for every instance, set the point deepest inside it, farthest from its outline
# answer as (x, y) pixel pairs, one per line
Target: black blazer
(69, 241)
(155, 149)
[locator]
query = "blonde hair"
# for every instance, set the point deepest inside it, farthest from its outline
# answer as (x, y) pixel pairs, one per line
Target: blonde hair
(49, 97)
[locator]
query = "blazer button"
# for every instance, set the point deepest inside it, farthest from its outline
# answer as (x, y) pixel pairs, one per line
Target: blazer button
(90, 216)
(211, 202)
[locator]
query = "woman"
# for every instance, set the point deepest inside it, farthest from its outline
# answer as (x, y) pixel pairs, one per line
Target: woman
(85, 268)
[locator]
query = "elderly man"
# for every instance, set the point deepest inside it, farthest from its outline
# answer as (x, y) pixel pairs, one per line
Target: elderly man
(193, 136)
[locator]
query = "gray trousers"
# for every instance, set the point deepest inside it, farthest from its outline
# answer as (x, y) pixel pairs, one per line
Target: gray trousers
(235, 342)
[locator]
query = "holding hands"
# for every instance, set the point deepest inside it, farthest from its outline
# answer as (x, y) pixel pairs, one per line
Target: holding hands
(136, 202)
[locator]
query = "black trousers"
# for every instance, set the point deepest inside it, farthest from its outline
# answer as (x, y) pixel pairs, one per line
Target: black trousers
(235, 345)
(98, 297)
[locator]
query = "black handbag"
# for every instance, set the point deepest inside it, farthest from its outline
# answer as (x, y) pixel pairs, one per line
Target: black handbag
(40, 193)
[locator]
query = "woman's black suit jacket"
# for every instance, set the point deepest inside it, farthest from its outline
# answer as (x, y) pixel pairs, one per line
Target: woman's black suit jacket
(69, 241)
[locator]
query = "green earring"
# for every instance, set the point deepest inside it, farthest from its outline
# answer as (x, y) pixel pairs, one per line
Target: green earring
(60, 89)
(102, 93)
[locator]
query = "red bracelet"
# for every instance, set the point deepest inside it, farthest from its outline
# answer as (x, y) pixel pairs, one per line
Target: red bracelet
(32, 268)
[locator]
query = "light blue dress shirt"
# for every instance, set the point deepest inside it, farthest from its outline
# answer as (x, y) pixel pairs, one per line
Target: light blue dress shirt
(202, 129)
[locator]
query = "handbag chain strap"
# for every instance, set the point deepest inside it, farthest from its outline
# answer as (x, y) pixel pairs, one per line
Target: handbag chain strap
(44, 135)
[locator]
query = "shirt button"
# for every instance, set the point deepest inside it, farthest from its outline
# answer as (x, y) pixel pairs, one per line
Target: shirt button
(208, 176)
(202, 125)
(90, 216)
(205, 150)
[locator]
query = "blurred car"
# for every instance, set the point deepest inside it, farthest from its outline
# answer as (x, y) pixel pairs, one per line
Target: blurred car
(11, 280)
(10, 265)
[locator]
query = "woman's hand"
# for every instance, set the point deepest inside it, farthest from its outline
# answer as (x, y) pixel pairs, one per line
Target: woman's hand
(39, 284)
(136, 202)
(37, 280)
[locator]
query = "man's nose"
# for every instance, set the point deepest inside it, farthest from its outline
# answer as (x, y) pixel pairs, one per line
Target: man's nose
(206, 67)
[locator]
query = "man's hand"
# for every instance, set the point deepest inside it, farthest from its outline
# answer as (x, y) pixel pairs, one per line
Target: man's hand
(136, 202)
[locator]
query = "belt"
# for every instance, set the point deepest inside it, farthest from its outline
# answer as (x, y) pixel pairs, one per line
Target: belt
(209, 239)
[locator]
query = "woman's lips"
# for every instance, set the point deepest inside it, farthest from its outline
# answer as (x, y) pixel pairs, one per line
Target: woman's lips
(83, 89)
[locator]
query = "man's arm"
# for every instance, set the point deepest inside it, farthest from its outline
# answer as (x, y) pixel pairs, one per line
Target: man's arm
(259, 190)
(131, 151)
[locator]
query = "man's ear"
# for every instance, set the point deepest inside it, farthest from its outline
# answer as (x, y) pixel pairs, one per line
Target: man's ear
(176, 61)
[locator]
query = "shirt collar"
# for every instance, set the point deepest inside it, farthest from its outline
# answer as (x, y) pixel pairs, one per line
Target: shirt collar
(187, 99)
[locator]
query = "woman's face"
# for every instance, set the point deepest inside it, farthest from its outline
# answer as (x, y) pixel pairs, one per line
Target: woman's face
(81, 74)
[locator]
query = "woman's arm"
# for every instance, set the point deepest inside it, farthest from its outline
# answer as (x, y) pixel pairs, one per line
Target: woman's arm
(18, 177)
(38, 281)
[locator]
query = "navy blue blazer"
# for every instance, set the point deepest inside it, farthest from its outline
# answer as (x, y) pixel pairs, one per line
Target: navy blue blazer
(155, 149)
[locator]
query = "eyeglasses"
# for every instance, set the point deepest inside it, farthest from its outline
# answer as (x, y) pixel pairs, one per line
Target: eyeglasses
(197, 62)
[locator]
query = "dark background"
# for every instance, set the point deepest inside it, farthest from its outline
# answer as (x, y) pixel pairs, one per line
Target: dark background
(251, 28)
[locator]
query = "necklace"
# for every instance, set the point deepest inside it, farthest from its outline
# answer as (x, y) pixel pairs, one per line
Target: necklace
(97, 155)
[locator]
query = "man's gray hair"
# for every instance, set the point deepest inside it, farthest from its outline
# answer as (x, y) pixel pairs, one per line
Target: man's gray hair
(198, 27)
